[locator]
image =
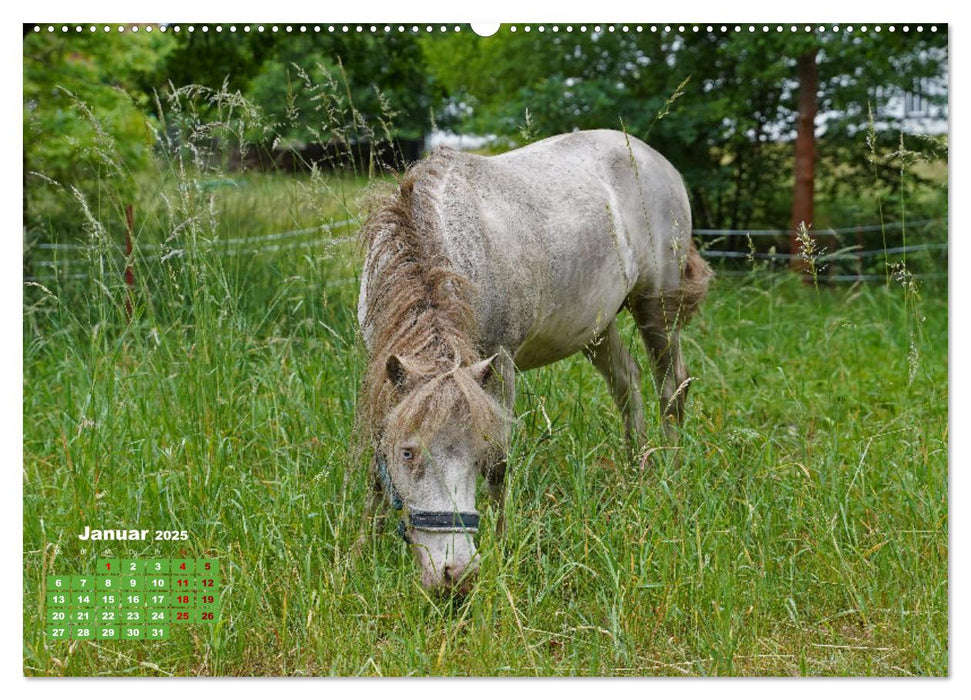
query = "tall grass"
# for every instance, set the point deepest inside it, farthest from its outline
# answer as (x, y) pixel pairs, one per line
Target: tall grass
(804, 531)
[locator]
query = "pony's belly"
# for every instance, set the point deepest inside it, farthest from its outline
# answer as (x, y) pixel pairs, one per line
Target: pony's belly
(567, 331)
(538, 352)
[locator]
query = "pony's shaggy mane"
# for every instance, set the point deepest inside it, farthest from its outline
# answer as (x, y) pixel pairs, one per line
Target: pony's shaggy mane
(418, 308)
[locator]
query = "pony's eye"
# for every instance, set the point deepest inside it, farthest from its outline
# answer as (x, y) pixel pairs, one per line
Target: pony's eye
(407, 455)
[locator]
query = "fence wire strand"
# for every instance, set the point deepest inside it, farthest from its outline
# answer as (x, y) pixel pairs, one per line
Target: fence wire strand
(256, 245)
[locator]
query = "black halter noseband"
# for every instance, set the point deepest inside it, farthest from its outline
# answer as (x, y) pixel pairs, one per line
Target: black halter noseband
(429, 520)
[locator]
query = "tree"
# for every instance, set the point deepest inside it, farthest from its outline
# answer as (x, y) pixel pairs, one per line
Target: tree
(805, 158)
(84, 113)
(378, 78)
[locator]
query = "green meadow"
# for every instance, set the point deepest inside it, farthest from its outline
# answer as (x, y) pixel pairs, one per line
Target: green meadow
(805, 531)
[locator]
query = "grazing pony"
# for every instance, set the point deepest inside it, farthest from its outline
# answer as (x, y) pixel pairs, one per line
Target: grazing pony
(477, 267)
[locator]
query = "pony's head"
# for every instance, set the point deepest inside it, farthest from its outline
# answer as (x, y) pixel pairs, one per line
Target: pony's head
(442, 430)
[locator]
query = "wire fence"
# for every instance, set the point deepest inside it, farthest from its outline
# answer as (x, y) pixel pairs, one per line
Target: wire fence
(845, 254)
(67, 255)
(835, 232)
(225, 243)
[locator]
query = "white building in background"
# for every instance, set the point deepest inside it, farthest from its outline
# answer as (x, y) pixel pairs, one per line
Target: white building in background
(460, 142)
(918, 114)
(916, 110)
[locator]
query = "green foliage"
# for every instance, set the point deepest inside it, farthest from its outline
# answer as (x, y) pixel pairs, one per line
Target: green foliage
(383, 77)
(85, 117)
(215, 59)
(284, 74)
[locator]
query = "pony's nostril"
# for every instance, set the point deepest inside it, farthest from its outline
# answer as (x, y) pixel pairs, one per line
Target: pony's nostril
(459, 578)
(453, 573)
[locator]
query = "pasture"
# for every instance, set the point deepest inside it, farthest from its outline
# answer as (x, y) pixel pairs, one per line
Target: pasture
(805, 531)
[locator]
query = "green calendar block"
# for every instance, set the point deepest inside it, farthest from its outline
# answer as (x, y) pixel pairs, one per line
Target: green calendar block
(183, 583)
(83, 631)
(107, 599)
(82, 583)
(82, 617)
(107, 632)
(208, 616)
(132, 583)
(156, 632)
(157, 582)
(132, 567)
(84, 599)
(132, 617)
(134, 600)
(160, 616)
(207, 599)
(58, 583)
(108, 583)
(182, 600)
(108, 566)
(157, 598)
(57, 616)
(207, 567)
(58, 599)
(107, 616)
(156, 566)
(182, 616)
(207, 583)
(179, 567)
(58, 632)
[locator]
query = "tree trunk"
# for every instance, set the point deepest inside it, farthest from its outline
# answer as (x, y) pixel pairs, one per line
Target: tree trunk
(802, 196)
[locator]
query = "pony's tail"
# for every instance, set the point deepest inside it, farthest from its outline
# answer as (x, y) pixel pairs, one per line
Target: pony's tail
(694, 283)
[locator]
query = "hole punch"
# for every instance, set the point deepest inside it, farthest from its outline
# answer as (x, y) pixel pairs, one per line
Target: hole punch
(485, 28)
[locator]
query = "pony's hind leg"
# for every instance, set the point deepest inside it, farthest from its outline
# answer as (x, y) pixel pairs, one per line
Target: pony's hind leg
(658, 320)
(613, 360)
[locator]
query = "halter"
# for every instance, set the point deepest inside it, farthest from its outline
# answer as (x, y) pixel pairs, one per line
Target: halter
(428, 520)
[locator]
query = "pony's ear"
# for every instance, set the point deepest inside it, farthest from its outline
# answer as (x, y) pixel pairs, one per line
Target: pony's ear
(483, 370)
(398, 371)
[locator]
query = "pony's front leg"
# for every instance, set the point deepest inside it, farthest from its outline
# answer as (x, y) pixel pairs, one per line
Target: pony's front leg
(623, 375)
(496, 473)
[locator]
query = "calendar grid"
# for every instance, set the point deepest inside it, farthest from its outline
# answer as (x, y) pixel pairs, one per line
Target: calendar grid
(133, 599)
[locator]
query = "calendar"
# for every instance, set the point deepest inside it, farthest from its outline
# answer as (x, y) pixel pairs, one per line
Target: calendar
(132, 599)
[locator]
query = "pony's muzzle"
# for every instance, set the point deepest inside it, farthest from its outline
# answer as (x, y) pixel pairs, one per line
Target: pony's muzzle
(449, 561)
